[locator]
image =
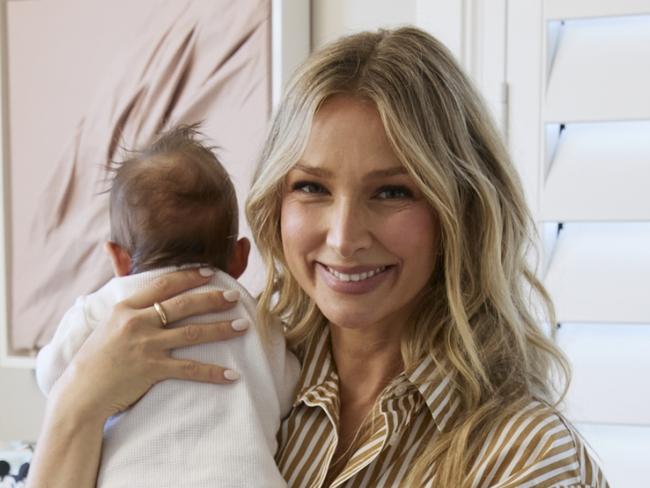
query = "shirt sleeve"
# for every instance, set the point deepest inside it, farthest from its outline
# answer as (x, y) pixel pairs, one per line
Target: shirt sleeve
(70, 335)
(538, 450)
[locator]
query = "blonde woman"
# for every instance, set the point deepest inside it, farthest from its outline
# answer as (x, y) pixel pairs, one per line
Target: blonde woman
(395, 233)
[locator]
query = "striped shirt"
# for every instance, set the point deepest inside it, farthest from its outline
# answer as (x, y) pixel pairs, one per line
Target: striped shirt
(534, 448)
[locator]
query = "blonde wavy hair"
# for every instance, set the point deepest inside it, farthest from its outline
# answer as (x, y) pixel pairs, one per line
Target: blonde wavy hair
(476, 318)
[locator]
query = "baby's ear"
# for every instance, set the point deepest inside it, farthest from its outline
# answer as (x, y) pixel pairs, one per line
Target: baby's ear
(120, 258)
(239, 258)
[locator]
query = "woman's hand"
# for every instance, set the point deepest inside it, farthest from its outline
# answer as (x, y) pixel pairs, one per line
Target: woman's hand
(130, 351)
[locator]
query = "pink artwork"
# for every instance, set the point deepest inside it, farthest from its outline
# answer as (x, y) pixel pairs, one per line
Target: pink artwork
(87, 77)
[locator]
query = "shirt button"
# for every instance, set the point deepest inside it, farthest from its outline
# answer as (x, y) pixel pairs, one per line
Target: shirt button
(400, 390)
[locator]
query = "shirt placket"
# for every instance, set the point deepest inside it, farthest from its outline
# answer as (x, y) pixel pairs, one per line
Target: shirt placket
(366, 453)
(387, 431)
(334, 439)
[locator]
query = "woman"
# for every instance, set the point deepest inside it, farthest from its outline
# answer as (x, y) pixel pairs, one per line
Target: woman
(394, 232)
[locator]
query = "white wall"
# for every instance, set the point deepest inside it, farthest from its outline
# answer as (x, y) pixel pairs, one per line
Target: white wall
(21, 405)
(334, 18)
(473, 30)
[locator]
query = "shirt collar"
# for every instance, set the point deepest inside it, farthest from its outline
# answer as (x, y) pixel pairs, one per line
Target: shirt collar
(437, 388)
(319, 382)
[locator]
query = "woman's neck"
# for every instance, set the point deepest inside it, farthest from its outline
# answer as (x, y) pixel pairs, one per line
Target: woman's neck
(366, 361)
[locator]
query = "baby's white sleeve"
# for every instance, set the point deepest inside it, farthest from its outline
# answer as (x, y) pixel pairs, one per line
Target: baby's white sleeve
(285, 367)
(291, 377)
(71, 333)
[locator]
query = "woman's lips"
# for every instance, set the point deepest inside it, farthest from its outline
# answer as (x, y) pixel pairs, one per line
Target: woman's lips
(356, 280)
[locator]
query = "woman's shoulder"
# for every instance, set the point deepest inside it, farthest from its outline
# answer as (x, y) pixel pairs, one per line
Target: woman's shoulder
(536, 447)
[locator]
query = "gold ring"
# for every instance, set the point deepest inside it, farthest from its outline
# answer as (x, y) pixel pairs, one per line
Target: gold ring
(161, 313)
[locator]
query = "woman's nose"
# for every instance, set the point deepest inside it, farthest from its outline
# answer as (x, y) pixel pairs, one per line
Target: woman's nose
(348, 230)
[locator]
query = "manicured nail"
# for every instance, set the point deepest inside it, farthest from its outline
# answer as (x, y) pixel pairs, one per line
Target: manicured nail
(231, 375)
(231, 295)
(240, 324)
(206, 272)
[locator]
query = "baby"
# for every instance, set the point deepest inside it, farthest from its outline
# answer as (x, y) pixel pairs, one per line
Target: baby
(171, 205)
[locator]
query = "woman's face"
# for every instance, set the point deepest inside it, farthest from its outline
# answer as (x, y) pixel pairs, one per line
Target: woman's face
(357, 234)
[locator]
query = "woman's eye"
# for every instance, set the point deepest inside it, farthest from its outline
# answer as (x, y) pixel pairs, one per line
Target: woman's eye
(394, 192)
(307, 187)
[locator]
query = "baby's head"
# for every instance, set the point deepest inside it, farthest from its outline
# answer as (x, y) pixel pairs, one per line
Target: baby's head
(172, 203)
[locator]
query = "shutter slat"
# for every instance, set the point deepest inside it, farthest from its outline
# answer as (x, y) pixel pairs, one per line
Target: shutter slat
(578, 9)
(611, 358)
(599, 172)
(600, 272)
(600, 71)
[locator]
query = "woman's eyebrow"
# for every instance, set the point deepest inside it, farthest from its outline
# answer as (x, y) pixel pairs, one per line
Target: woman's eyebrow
(313, 170)
(383, 173)
(326, 173)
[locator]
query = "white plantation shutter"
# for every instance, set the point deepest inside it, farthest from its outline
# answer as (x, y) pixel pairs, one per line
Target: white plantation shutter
(594, 191)
(576, 115)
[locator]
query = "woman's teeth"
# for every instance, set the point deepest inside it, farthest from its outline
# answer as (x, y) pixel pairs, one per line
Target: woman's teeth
(357, 276)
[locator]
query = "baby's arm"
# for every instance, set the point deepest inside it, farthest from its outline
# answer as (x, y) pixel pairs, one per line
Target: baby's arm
(71, 333)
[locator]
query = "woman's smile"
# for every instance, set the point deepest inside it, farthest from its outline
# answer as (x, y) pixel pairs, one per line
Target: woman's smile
(357, 280)
(357, 234)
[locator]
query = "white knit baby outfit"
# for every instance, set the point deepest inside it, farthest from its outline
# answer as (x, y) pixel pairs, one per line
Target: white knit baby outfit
(184, 433)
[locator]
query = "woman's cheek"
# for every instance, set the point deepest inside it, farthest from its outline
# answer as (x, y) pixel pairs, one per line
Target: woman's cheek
(291, 219)
(295, 229)
(416, 223)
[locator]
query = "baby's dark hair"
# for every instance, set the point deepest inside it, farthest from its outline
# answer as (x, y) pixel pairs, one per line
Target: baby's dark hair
(173, 203)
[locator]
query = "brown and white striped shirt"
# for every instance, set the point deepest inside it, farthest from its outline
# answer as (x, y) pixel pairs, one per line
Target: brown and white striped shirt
(534, 448)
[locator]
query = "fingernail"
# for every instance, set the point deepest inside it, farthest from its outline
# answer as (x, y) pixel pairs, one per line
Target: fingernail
(231, 295)
(231, 375)
(206, 272)
(240, 324)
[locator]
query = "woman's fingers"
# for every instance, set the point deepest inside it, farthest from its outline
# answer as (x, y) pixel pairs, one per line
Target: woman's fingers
(175, 305)
(169, 285)
(190, 304)
(182, 369)
(192, 334)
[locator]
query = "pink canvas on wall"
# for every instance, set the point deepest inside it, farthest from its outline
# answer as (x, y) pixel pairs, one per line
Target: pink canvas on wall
(86, 76)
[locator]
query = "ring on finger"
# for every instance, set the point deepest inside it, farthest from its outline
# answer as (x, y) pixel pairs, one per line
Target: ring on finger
(161, 313)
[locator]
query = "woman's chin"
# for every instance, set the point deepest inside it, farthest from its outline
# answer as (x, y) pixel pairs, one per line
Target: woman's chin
(352, 320)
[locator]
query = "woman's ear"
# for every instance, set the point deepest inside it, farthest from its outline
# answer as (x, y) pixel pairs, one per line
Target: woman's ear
(120, 258)
(239, 258)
